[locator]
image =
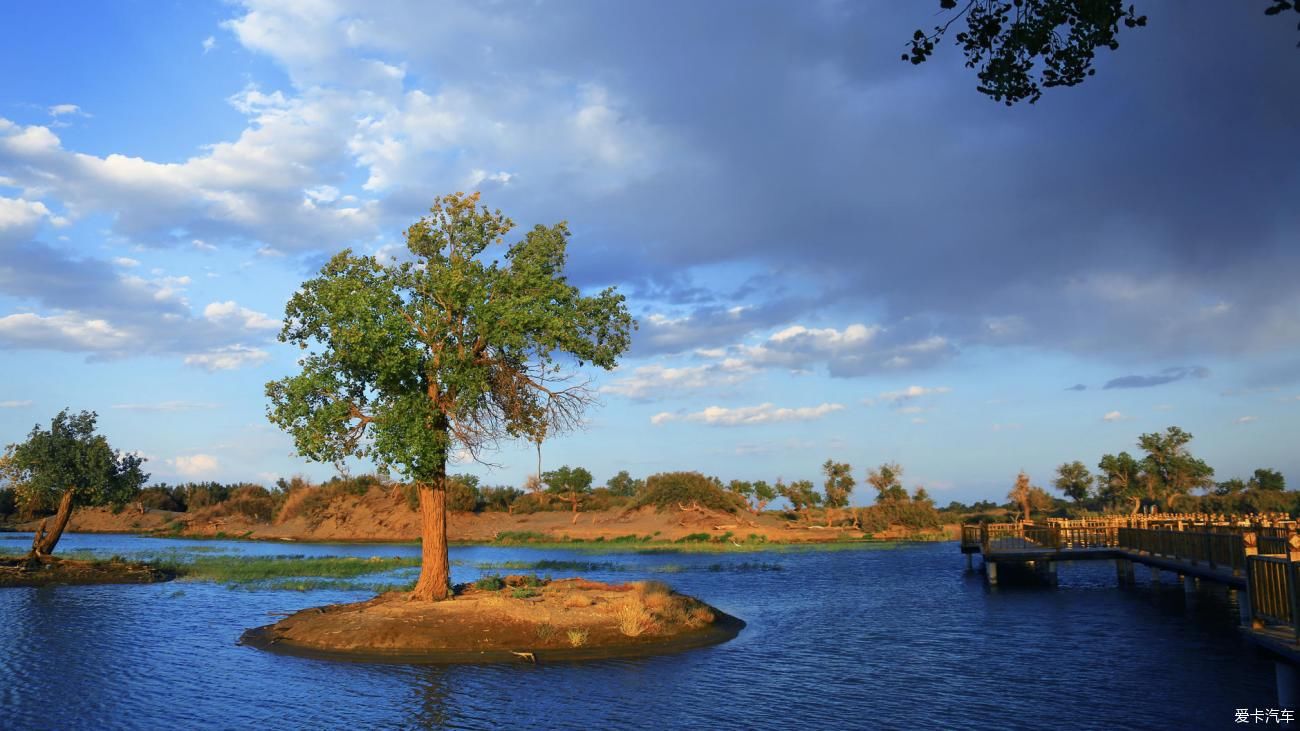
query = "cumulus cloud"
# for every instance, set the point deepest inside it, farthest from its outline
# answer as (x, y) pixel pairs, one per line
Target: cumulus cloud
(658, 381)
(228, 358)
(229, 312)
(194, 465)
(1168, 375)
(1114, 416)
(766, 413)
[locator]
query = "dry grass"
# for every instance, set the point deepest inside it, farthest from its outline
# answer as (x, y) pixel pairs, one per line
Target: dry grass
(546, 632)
(634, 619)
(699, 616)
(577, 601)
(577, 637)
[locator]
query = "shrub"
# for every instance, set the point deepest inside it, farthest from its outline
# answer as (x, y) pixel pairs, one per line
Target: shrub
(490, 582)
(670, 489)
(500, 498)
(546, 631)
(577, 637)
(251, 501)
(523, 592)
(462, 496)
(7, 502)
(162, 497)
(634, 619)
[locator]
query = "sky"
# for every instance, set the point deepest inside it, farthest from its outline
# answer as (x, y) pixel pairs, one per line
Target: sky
(831, 254)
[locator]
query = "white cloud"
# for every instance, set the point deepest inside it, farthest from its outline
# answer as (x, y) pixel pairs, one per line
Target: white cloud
(209, 43)
(228, 358)
(168, 406)
(67, 331)
(1114, 416)
(1245, 419)
(766, 413)
(230, 313)
(911, 393)
(856, 350)
(194, 465)
(15, 404)
(64, 110)
(657, 381)
(126, 262)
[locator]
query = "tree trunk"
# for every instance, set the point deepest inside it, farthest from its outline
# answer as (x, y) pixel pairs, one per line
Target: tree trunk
(45, 542)
(574, 499)
(435, 569)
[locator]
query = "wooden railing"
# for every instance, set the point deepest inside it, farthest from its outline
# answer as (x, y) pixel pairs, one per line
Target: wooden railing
(1216, 550)
(970, 535)
(1272, 583)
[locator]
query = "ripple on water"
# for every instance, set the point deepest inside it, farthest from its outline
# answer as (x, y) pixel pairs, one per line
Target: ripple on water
(846, 639)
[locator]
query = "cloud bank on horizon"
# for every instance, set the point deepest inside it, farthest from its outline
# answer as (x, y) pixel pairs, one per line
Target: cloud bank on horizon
(808, 229)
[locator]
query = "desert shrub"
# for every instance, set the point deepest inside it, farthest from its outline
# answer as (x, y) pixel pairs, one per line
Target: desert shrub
(668, 490)
(204, 494)
(358, 485)
(490, 582)
(529, 503)
(545, 632)
(603, 498)
(500, 498)
(523, 592)
(577, 637)
(162, 497)
(462, 494)
(251, 501)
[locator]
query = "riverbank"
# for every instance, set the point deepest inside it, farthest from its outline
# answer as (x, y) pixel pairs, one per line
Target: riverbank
(383, 517)
(516, 619)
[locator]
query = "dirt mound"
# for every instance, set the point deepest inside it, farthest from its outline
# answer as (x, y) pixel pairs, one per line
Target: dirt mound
(531, 621)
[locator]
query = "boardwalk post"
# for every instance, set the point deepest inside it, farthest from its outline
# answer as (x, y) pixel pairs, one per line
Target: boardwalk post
(991, 571)
(970, 562)
(1288, 684)
(1189, 584)
(1124, 571)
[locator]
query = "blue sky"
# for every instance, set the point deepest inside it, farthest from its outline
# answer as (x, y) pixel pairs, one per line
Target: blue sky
(832, 254)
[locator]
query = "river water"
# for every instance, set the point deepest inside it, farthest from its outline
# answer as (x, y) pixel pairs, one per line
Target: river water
(883, 638)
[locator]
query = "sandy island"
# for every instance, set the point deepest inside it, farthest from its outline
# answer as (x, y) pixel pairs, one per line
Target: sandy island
(527, 620)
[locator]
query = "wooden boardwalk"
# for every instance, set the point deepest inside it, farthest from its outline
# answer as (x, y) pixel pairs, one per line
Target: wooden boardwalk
(1261, 562)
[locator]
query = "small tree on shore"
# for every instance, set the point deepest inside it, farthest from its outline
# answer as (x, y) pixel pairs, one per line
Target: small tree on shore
(570, 484)
(838, 486)
(888, 481)
(410, 362)
(70, 464)
(1028, 497)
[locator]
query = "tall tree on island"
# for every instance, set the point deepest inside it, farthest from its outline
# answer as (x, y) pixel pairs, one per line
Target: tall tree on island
(839, 484)
(408, 362)
(71, 464)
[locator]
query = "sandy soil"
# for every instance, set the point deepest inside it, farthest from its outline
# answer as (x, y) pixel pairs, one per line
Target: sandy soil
(383, 515)
(568, 619)
(15, 572)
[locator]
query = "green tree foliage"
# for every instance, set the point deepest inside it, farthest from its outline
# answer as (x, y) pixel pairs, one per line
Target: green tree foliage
(462, 493)
(837, 487)
(68, 464)
(756, 495)
(801, 494)
(888, 481)
(456, 349)
(1118, 481)
(669, 490)
(1020, 47)
(1168, 469)
(500, 498)
(569, 484)
(623, 485)
(1074, 479)
(8, 502)
(1268, 480)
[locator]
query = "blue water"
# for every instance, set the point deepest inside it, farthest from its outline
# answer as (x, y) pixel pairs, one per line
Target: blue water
(901, 638)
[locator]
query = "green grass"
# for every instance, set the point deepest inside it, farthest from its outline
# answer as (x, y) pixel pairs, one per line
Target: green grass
(550, 565)
(245, 569)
